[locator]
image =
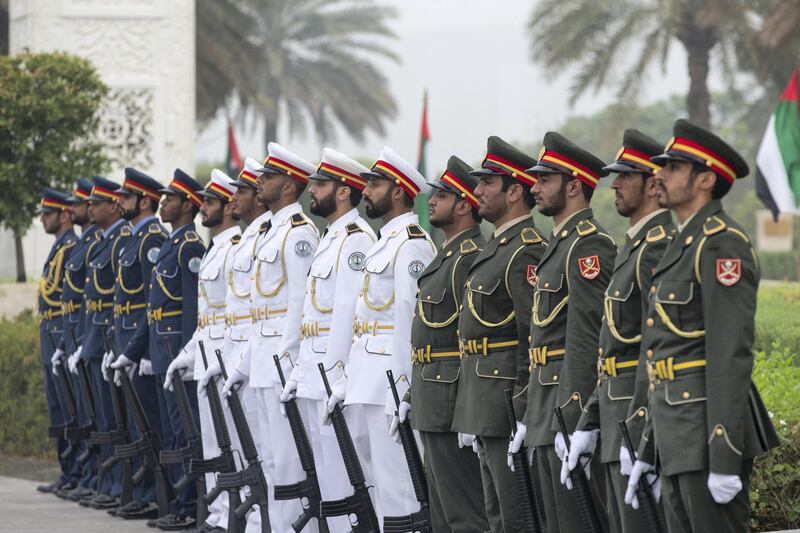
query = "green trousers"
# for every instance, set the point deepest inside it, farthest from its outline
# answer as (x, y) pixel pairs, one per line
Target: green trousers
(622, 517)
(454, 485)
(689, 507)
(503, 506)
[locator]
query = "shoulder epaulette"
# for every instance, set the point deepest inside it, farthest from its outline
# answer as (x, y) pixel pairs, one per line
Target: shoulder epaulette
(264, 226)
(125, 231)
(298, 220)
(191, 236)
(70, 242)
(656, 234)
(236, 238)
(468, 246)
(585, 227)
(415, 232)
(714, 225)
(529, 236)
(154, 229)
(352, 228)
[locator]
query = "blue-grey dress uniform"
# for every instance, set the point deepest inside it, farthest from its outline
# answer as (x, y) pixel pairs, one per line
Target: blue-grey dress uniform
(51, 324)
(74, 313)
(131, 335)
(98, 306)
(172, 315)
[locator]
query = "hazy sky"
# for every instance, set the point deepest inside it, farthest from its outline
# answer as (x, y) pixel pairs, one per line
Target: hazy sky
(473, 58)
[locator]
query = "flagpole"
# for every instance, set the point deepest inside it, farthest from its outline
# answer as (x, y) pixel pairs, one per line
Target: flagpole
(424, 136)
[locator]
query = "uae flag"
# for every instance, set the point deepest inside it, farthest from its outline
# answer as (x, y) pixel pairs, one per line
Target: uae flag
(424, 137)
(233, 161)
(778, 160)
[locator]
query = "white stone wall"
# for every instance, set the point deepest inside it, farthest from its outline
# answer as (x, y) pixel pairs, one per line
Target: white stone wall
(145, 52)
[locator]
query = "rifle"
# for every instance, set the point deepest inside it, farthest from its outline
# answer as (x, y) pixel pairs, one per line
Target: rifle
(583, 494)
(87, 402)
(225, 461)
(252, 475)
(307, 490)
(358, 503)
(194, 443)
(119, 436)
(651, 518)
(67, 429)
(421, 520)
(532, 515)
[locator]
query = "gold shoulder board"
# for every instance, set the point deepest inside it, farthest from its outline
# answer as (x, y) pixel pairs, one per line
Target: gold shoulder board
(585, 227)
(415, 232)
(236, 238)
(714, 225)
(353, 228)
(656, 234)
(298, 220)
(468, 246)
(154, 229)
(529, 236)
(125, 231)
(191, 236)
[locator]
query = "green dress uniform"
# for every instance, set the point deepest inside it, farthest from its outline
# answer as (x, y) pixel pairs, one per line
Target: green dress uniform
(705, 414)
(454, 475)
(620, 333)
(567, 310)
(493, 328)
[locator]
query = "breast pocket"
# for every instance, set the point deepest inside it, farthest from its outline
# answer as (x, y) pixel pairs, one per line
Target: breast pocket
(550, 297)
(269, 274)
(487, 303)
(169, 281)
(435, 309)
(679, 306)
(623, 311)
(322, 289)
(378, 290)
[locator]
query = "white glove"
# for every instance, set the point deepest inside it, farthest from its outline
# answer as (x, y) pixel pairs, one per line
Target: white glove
(289, 391)
(72, 361)
(394, 426)
(560, 446)
(639, 468)
(177, 364)
(122, 364)
(625, 463)
(236, 376)
(55, 360)
(108, 357)
(465, 440)
(476, 446)
(212, 372)
(581, 443)
(516, 442)
(338, 393)
(723, 487)
(146, 368)
(404, 411)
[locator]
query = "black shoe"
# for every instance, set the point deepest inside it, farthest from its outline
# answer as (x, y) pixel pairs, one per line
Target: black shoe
(52, 487)
(173, 522)
(136, 510)
(64, 490)
(79, 493)
(154, 522)
(103, 501)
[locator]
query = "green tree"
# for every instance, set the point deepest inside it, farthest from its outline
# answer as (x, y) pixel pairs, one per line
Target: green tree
(48, 105)
(616, 41)
(312, 60)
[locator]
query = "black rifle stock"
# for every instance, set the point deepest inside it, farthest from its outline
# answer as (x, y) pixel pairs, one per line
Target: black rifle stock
(651, 517)
(580, 484)
(307, 490)
(252, 475)
(87, 404)
(225, 462)
(532, 515)
(359, 503)
(419, 520)
(194, 443)
(67, 397)
(119, 436)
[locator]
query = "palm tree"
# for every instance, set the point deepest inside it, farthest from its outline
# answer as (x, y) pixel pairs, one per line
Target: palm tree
(601, 36)
(310, 59)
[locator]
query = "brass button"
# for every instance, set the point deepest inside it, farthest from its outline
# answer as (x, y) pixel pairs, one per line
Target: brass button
(382, 350)
(637, 242)
(461, 307)
(449, 253)
(339, 364)
(685, 395)
(600, 351)
(438, 376)
(689, 239)
(458, 333)
(555, 377)
(564, 233)
(169, 329)
(529, 339)
(403, 377)
(616, 293)
(671, 296)
(575, 397)
(652, 290)
(652, 387)
(720, 432)
(495, 371)
(413, 315)
(649, 354)
(641, 413)
(428, 298)
(503, 240)
(480, 287)
(650, 322)
(546, 285)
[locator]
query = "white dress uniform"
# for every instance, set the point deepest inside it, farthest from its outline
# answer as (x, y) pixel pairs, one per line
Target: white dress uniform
(327, 329)
(212, 288)
(386, 299)
(283, 253)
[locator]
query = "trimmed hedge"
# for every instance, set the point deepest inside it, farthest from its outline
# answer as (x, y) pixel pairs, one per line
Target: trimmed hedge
(780, 266)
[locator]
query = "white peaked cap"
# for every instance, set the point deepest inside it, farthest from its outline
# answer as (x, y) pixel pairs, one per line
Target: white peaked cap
(390, 165)
(220, 185)
(282, 161)
(338, 167)
(249, 174)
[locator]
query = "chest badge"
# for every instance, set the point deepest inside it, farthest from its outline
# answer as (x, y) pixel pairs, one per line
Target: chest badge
(531, 276)
(729, 271)
(589, 266)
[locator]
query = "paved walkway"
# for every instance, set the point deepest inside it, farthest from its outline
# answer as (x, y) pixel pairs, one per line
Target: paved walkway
(24, 509)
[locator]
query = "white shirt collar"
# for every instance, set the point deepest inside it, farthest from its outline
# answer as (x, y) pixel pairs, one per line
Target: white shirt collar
(256, 224)
(394, 225)
(633, 230)
(342, 221)
(500, 230)
(685, 223)
(286, 212)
